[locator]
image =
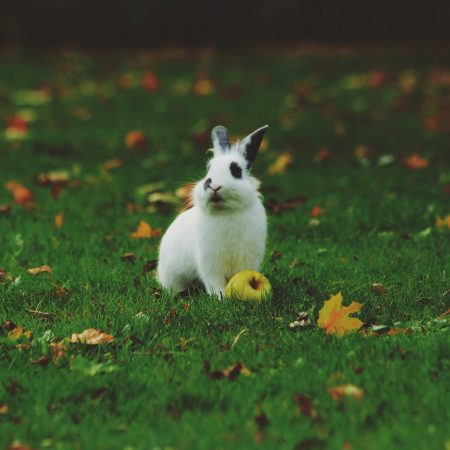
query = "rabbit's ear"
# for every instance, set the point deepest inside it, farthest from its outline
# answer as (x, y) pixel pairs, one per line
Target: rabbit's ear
(250, 145)
(221, 139)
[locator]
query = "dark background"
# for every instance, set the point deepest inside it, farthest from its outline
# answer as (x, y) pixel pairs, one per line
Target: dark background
(230, 23)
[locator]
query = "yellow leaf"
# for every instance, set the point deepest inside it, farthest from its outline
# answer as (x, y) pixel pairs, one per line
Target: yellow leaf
(41, 269)
(59, 220)
(280, 164)
(443, 223)
(144, 230)
(92, 336)
(16, 333)
(334, 318)
(346, 390)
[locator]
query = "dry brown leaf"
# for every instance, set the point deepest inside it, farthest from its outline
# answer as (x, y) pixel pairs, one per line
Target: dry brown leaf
(21, 194)
(3, 408)
(346, 390)
(144, 230)
(130, 257)
(231, 372)
(378, 288)
(58, 350)
(41, 269)
(5, 208)
(5, 276)
(281, 163)
(59, 220)
(304, 404)
(92, 336)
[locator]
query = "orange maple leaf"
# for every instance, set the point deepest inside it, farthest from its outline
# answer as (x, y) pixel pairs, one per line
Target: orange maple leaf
(416, 162)
(21, 194)
(144, 230)
(334, 318)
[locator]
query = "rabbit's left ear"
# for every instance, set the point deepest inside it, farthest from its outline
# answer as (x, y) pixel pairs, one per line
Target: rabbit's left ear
(221, 139)
(249, 146)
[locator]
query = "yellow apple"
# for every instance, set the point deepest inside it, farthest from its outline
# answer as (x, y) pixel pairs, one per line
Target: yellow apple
(248, 285)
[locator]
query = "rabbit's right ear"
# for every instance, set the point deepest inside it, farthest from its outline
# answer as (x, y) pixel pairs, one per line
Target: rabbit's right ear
(221, 139)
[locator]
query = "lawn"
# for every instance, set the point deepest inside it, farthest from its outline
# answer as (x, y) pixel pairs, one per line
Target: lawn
(353, 204)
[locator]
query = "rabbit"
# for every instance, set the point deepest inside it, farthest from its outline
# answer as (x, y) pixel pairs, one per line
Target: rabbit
(225, 230)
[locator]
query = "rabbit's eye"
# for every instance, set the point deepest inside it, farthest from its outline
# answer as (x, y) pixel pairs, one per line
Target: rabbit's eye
(235, 170)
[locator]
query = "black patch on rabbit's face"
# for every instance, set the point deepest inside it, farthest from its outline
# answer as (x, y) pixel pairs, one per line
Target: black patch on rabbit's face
(236, 170)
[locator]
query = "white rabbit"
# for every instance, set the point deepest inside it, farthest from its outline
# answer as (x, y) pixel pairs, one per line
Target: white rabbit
(225, 230)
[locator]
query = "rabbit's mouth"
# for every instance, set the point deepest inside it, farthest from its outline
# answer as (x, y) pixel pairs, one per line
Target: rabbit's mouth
(216, 198)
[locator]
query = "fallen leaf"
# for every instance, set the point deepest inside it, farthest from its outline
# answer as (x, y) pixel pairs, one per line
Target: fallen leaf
(58, 350)
(91, 336)
(130, 257)
(3, 408)
(416, 162)
(346, 390)
(136, 140)
(17, 445)
(322, 155)
(334, 318)
(280, 164)
(150, 82)
(16, 128)
(317, 211)
(304, 404)
(444, 222)
(21, 194)
(56, 180)
(203, 86)
(150, 265)
(144, 230)
(378, 288)
(393, 331)
(41, 269)
(42, 361)
(231, 372)
(277, 208)
(19, 332)
(112, 164)
(59, 220)
(5, 276)
(5, 208)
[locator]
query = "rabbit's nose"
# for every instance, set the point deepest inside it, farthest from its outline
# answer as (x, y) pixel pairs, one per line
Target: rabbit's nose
(217, 189)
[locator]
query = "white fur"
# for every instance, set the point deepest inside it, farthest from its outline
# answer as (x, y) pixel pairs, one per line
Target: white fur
(213, 241)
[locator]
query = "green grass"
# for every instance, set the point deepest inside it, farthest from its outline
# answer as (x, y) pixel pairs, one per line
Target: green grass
(150, 389)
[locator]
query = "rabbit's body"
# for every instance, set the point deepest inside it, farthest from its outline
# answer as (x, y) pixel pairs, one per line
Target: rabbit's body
(225, 231)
